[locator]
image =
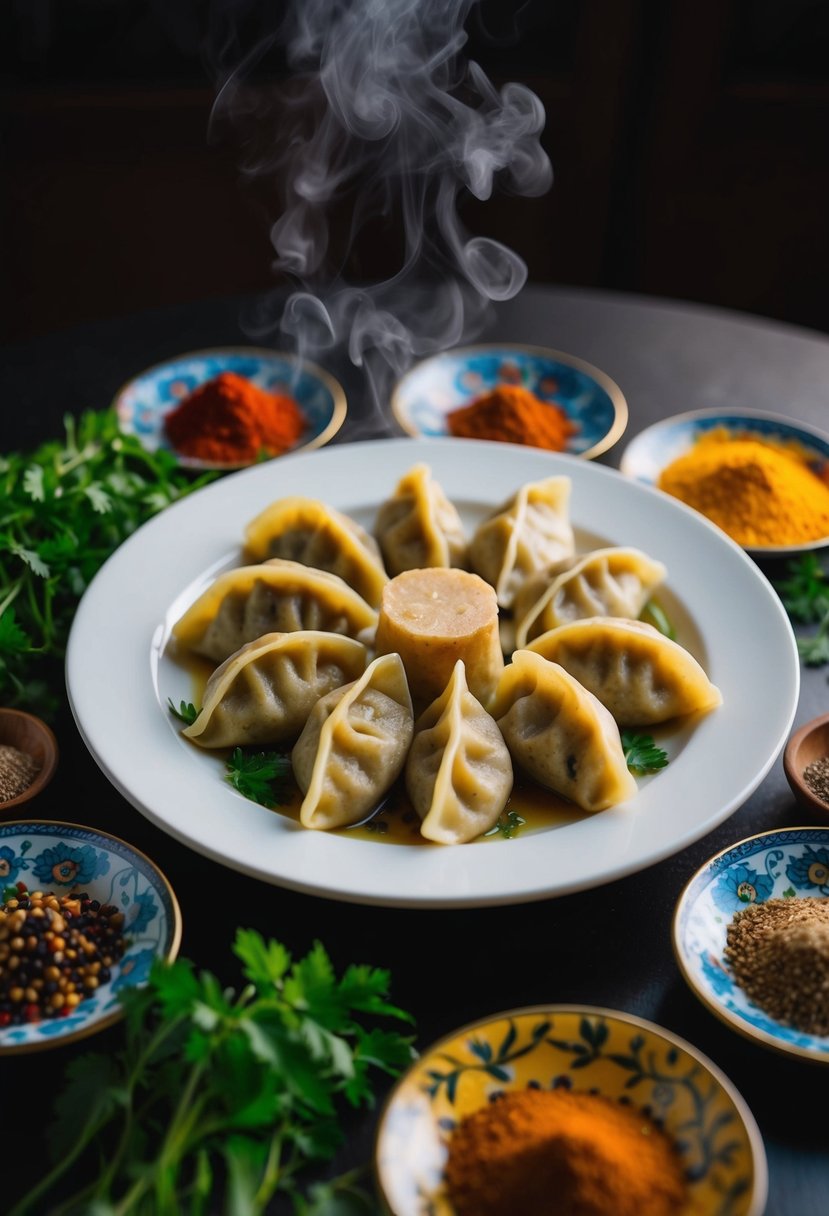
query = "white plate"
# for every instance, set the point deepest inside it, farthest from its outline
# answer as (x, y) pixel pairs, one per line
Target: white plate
(119, 679)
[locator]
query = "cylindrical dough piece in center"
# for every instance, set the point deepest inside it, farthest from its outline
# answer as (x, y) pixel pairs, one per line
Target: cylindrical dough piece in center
(434, 617)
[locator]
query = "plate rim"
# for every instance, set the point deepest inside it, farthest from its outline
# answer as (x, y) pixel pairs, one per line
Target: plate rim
(332, 427)
(621, 412)
(753, 1033)
(170, 955)
(754, 1135)
(319, 872)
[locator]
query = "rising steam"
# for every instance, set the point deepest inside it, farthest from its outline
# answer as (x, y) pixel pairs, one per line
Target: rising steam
(386, 116)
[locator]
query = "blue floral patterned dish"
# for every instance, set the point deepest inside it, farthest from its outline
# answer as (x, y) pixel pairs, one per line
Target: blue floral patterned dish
(142, 403)
(584, 1049)
(786, 864)
(649, 452)
(64, 858)
(432, 389)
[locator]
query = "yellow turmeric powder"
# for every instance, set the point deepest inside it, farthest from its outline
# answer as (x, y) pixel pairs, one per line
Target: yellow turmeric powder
(555, 1152)
(757, 493)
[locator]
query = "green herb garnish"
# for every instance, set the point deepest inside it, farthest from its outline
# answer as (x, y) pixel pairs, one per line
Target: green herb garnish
(64, 509)
(218, 1092)
(805, 596)
(805, 593)
(186, 712)
(507, 825)
(260, 776)
(641, 753)
(654, 614)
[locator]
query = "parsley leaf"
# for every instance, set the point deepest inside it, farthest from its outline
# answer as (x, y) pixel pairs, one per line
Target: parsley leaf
(186, 712)
(805, 596)
(805, 593)
(260, 776)
(221, 1099)
(508, 825)
(65, 508)
(641, 753)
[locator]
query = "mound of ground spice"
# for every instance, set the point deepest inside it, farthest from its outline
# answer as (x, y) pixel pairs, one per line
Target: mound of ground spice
(778, 952)
(542, 1152)
(758, 494)
(513, 414)
(230, 420)
(17, 771)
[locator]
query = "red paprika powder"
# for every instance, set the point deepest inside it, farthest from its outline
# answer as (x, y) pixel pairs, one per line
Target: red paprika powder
(230, 420)
(512, 414)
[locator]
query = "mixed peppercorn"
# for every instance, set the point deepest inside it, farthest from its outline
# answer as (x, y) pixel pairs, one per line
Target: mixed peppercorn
(55, 951)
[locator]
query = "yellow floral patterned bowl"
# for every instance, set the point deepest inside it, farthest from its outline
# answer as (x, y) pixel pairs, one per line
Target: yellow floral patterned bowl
(586, 1049)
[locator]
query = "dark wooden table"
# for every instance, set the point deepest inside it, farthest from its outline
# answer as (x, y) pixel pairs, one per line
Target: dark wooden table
(607, 947)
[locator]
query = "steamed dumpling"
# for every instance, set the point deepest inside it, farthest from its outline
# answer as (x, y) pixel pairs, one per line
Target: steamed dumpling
(459, 772)
(606, 582)
(264, 692)
(561, 734)
(272, 597)
(418, 526)
(527, 534)
(641, 676)
(354, 746)
(306, 530)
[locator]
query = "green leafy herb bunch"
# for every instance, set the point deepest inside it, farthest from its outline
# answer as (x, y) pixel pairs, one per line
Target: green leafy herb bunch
(220, 1101)
(64, 509)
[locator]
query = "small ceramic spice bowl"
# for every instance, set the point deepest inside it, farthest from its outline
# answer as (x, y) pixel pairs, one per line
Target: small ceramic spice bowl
(593, 403)
(806, 764)
(143, 403)
(28, 758)
(583, 1049)
(654, 448)
(67, 859)
(788, 864)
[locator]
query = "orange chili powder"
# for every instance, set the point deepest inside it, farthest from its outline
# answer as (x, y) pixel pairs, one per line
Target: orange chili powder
(229, 420)
(513, 414)
(562, 1153)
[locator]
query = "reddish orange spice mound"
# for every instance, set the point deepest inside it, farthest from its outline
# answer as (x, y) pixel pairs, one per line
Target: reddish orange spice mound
(513, 414)
(229, 420)
(562, 1153)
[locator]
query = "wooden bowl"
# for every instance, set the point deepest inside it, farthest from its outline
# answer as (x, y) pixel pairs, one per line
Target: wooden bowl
(31, 735)
(809, 743)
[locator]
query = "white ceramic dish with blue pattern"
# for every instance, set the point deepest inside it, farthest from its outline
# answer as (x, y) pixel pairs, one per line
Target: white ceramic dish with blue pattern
(66, 858)
(596, 406)
(786, 864)
(143, 403)
(649, 452)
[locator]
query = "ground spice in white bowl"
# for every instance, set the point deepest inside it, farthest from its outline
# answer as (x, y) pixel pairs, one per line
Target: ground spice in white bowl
(778, 952)
(17, 772)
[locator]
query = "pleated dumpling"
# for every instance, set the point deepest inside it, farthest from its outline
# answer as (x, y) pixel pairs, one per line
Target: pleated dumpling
(354, 746)
(637, 673)
(527, 534)
(271, 597)
(306, 530)
(459, 772)
(605, 582)
(418, 526)
(561, 734)
(264, 692)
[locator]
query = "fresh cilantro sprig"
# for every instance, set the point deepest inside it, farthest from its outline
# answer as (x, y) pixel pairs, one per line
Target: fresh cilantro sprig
(805, 596)
(260, 776)
(64, 508)
(186, 711)
(641, 753)
(223, 1091)
(508, 825)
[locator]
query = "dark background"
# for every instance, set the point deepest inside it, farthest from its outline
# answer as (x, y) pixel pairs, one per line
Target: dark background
(688, 142)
